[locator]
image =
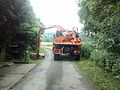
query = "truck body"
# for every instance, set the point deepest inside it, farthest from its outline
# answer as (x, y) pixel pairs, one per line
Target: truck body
(66, 44)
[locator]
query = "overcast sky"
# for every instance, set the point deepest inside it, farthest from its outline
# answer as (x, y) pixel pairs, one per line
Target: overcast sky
(57, 12)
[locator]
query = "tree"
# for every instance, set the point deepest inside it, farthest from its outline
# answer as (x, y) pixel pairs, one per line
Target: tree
(17, 19)
(102, 18)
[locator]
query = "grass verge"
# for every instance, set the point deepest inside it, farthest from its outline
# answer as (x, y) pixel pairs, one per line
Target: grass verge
(42, 50)
(47, 45)
(102, 79)
(37, 61)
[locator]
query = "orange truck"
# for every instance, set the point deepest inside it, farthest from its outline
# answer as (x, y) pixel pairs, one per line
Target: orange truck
(67, 44)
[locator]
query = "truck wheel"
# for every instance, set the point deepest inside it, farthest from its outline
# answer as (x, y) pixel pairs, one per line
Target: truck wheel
(56, 57)
(77, 57)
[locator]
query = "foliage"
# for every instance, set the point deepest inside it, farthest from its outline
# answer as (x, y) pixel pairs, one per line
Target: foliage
(18, 27)
(83, 37)
(108, 61)
(86, 50)
(102, 79)
(102, 20)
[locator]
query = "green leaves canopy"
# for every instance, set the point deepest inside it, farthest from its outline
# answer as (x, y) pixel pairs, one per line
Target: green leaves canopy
(17, 18)
(102, 18)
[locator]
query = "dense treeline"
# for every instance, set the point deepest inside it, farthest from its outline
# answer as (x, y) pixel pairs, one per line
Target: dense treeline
(101, 19)
(48, 37)
(18, 28)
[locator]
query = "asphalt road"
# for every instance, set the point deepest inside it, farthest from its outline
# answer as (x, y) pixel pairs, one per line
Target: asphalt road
(54, 75)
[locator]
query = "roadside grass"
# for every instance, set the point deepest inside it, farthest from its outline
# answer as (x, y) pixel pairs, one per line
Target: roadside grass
(42, 49)
(47, 44)
(102, 79)
(37, 61)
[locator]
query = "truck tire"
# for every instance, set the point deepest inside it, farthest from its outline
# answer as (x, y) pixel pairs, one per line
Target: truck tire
(77, 57)
(56, 56)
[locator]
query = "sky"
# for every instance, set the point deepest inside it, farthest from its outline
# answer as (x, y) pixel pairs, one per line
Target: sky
(57, 12)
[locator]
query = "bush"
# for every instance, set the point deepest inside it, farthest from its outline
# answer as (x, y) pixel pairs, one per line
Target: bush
(99, 57)
(86, 50)
(108, 61)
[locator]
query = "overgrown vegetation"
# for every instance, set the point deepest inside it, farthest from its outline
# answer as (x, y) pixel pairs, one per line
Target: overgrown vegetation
(86, 50)
(101, 21)
(18, 29)
(37, 61)
(102, 79)
(108, 61)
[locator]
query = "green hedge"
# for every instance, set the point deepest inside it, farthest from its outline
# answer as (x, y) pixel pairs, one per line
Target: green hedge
(86, 50)
(108, 61)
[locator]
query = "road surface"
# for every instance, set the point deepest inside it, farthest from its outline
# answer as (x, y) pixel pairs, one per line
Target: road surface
(54, 75)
